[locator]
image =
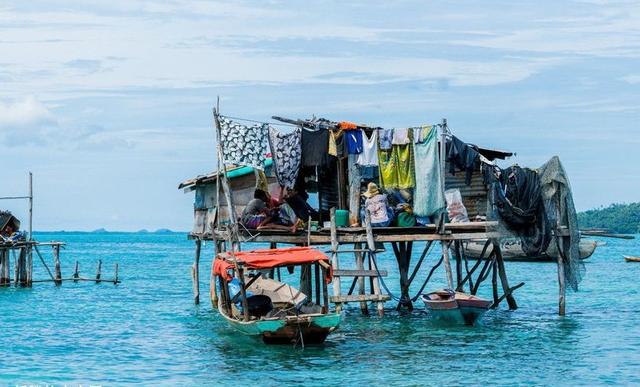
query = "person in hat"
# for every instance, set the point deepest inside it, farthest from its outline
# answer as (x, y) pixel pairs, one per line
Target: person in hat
(377, 205)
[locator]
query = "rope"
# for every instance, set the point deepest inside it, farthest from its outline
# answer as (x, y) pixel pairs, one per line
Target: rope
(384, 285)
(428, 278)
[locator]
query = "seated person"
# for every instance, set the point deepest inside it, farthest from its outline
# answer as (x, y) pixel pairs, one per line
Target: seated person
(378, 206)
(257, 215)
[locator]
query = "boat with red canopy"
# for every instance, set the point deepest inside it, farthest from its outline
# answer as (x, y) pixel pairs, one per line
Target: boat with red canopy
(248, 296)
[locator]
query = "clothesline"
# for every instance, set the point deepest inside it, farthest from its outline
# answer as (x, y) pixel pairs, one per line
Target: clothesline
(308, 122)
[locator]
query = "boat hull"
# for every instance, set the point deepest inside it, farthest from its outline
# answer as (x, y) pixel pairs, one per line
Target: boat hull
(512, 250)
(456, 308)
(631, 259)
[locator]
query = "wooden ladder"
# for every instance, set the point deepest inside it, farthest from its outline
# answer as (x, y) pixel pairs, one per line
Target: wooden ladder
(358, 274)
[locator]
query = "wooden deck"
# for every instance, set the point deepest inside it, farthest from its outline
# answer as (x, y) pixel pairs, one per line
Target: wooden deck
(452, 232)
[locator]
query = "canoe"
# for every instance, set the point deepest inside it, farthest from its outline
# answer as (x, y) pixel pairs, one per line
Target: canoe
(275, 311)
(631, 259)
(455, 307)
(512, 250)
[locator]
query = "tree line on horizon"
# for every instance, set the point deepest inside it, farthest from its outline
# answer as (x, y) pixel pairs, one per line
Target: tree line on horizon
(618, 218)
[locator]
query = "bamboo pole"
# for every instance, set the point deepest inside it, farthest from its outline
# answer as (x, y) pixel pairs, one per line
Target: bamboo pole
(115, 275)
(371, 244)
(511, 301)
(447, 264)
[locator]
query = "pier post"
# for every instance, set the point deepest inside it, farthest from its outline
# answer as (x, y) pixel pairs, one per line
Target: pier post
(373, 263)
(76, 272)
(115, 275)
(98, 271)
(5, 279)
(334, 258)
(56, 262)
(22, 267)
(503, 276)
(195, 273)
(357, 247)
(29, 265)
(447, 264)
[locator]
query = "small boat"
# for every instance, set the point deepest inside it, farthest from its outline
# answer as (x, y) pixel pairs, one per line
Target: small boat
(631, 259)
(257, 305)
(455, 307)
(512, 250)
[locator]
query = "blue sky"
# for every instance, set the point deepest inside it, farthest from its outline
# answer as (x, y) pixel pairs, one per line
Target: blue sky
(109, 103)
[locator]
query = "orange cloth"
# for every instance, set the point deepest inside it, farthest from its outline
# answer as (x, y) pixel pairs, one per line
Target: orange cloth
(222, 267)
(346, 125)
(270, 258)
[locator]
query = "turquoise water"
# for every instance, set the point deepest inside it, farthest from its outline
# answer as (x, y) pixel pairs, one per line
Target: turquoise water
(146, 330)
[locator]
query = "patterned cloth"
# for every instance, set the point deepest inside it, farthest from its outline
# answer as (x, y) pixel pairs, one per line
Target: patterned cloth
(386, 138)
(287, 155)
(243, 145)
(397, 167)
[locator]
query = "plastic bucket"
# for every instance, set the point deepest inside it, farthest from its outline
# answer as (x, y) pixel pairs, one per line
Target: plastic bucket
(342, 218)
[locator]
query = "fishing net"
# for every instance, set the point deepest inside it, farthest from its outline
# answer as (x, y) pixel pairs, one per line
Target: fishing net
(558, 202)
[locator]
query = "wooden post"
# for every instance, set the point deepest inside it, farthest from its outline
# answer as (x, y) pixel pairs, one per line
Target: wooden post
(195, 273)
(115, 275)
(456, 253)
(561, 284)
(76, 272)
(334, 258)
(4, 268)
(56, 263)
(305, 281)
(318, 279)
(29, 265)
(513, 305)
(447, 264)
(30, 207)
(325, 293)
(357, 247)
(494, 283)
(22, 266)
(99, 271)
(243, 293)
(373, 261)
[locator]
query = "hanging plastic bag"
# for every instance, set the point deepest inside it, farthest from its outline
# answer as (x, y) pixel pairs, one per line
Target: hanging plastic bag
(455, 208)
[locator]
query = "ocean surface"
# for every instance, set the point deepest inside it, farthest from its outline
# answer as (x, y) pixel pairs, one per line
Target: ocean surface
(147, 331)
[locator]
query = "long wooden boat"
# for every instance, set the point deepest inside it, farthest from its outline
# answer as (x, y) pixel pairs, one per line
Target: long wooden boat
(512, 250)
(631, 259)
(276, 311)
(455, 307)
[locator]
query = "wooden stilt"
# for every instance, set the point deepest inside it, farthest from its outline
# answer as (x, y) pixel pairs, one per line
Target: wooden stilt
(494, 283)
(325, 293)
(373, 263)
(317, 283)
(22, 266)
(76, 272)
(5, 279)
(447, 264)
(561, 283)
(243, 293)
(360, 266)
(99, 271)
(115, 275)
(195, 273)
(56, 264)
(456, 253)
(513, 305)
(334, 258)
(29, 265)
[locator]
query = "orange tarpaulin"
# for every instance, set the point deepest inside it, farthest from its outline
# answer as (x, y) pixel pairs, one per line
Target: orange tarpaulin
(270, 258)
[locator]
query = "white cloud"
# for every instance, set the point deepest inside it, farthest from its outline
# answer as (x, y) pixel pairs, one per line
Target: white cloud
(632, 79)
(25, 114)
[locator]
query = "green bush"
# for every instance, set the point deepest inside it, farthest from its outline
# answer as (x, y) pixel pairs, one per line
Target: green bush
(619, 218)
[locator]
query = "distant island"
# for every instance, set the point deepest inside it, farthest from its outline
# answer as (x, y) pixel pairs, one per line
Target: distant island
(618, 218)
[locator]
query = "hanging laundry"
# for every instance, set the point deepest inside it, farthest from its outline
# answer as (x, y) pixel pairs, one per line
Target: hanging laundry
(243, 145)
(315, 147)
(401, 136)
(397, 167)
(337, 146)
(369, 155)
(421, 134)
(354, 141)
(406, 166)
(463, 156)
(429, 193)
(286, 150)
(386, 139)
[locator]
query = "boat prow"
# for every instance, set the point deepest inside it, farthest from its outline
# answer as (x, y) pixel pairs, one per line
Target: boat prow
(455, 307)
(629, 258)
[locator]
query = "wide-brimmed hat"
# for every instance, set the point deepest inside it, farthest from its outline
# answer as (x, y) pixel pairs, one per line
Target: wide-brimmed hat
(372, 190)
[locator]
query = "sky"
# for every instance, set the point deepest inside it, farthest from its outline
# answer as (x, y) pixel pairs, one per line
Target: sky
(109, 103)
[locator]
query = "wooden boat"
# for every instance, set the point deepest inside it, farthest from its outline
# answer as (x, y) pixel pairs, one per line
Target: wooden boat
(512, 250)
(276, 311)
(455, 307)
(631, 259)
